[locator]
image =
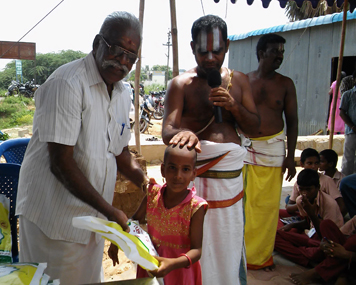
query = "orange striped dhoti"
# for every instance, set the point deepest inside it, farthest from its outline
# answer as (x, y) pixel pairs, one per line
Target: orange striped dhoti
(220, 184)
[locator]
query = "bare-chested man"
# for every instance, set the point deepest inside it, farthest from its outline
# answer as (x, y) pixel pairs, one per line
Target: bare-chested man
(189, 119)
(274, 95)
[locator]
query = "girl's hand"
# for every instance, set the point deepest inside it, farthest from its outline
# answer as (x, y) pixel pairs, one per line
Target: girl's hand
(166, 265)
(113, 254)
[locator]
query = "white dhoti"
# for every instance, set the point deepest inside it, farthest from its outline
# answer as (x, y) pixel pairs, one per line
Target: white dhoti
(223, 255)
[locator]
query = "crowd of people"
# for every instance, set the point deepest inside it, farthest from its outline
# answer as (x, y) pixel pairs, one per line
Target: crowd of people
(218, 212)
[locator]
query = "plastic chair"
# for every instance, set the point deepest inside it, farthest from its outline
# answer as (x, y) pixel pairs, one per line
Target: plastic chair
(9, 178)
(14, 150)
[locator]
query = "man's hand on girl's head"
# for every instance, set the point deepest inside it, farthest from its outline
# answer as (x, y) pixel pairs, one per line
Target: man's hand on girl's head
(188, 138)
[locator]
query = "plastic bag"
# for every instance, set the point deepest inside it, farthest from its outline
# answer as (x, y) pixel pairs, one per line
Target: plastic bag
(22, 273)
(5, 231)
(136, 245)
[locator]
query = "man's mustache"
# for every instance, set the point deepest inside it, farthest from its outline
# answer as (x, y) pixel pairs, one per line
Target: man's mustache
(115, 64)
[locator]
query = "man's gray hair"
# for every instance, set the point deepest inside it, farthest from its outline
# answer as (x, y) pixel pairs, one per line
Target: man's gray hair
(124, 20)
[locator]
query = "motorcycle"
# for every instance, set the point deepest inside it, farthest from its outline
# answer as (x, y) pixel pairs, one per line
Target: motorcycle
(159, 104)
(28, 89)
(13, 88)
(146, 113)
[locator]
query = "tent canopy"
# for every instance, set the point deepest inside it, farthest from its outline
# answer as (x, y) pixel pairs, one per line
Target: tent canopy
(314, 3)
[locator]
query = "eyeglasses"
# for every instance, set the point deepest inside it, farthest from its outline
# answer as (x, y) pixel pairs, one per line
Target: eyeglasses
(118, 51)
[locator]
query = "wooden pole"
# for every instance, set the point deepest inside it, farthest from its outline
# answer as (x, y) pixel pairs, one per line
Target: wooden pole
(174, 32)
(167, 69)
(339, 69)
(137, 85)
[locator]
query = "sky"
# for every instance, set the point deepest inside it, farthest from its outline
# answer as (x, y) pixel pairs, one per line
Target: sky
(74, 23)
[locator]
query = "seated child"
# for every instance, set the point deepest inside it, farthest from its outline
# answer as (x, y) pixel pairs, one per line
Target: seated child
(310, 159)
(339, 264)
(328, 162)
(314, 206)
(175, 217)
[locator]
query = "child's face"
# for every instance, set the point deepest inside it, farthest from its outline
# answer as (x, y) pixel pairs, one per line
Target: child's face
(309, 191)
(324, 164)
(311, 163)
(179, 170)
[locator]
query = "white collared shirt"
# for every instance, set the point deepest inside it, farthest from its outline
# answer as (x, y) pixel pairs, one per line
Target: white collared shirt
(73, 108)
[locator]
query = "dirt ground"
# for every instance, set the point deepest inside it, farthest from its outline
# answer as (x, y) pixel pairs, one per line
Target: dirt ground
(155, 129)
(113, 273)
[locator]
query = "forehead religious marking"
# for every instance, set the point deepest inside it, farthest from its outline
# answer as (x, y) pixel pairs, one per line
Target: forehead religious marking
(216, 39)
(203, 41)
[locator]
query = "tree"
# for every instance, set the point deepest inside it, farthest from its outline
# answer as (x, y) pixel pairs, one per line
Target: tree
(163, 68)
(45, 65)
(131, 76)
(306, 11)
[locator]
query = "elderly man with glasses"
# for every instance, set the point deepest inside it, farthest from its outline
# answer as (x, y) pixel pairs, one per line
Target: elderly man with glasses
(80, 141)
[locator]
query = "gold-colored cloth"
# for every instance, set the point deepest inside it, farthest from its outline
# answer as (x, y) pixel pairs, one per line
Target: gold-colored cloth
(221, 174)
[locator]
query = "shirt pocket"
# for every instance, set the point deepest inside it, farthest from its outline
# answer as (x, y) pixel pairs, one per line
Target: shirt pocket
(119, 136)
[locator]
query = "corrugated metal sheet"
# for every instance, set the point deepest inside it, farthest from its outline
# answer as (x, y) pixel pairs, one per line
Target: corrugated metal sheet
(307, 62)
(322, 20)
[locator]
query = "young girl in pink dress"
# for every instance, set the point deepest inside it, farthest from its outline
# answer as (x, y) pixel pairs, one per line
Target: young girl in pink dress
(175, 217)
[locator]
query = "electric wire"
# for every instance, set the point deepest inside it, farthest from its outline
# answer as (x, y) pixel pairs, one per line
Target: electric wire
(202, 7)
(226, 9)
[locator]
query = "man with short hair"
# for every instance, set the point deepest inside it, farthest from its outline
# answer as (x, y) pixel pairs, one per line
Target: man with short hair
(348, 82)
(189, 119)
(80, 141)
(348, 115)
(274, 96)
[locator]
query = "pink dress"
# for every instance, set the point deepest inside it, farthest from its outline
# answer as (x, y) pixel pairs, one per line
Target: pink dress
(339, 126)
(169, 230)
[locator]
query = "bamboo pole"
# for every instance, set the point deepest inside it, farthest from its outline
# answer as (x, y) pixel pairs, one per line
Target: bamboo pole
(137, 85)
(339, 68)
(174, 32)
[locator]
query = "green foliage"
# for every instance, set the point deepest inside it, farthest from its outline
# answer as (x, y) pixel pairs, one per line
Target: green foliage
(6, 76)
(4, 136)
(26, 119)
(153, 87)
(45, 65)
(163, 68)
(143, 76)
(3, 92)
(16, 111)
